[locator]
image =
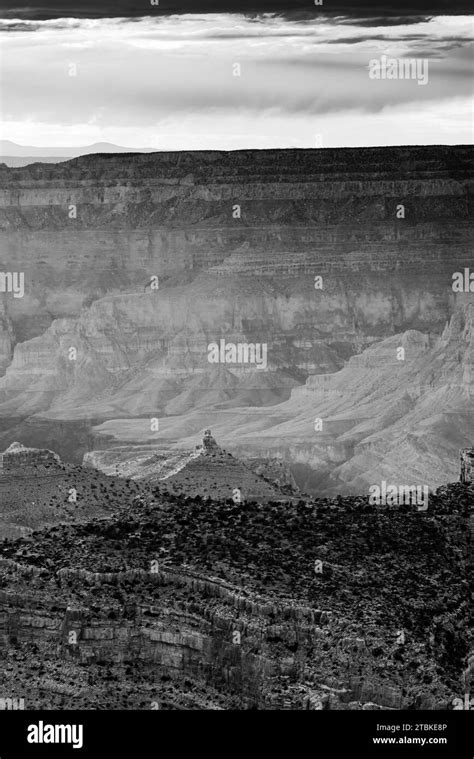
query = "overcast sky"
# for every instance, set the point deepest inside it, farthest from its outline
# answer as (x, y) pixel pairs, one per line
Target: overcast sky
(167, 81)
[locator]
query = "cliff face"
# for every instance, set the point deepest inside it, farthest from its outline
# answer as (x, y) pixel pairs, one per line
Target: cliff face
(135, 264)
(330, 213)
(401, 410)
(334, 605)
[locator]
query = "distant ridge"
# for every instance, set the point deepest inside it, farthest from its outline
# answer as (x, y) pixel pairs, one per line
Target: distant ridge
(39, 9)
(9, 148)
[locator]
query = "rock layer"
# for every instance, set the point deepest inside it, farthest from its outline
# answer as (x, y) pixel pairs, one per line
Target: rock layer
(302, 213)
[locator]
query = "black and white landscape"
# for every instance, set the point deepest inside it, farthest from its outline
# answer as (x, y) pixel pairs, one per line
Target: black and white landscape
(236, 356)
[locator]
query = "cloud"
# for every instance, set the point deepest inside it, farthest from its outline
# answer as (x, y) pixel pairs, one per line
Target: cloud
(387, 10)
(137, 75)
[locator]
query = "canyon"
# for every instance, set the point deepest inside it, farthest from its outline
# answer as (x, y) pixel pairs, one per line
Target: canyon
(400, 410)
(149, 563)
(332, 258)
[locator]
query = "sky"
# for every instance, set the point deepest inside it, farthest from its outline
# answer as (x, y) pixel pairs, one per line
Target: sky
(157, 78)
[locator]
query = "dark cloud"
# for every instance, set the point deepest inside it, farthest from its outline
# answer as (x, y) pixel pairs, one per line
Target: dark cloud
(369, 9)
(355, 20)
(392, 38)
(374, 38)
(32, 26)
(19, 26)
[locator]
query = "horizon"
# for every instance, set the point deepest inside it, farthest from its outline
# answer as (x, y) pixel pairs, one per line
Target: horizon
(145, 151)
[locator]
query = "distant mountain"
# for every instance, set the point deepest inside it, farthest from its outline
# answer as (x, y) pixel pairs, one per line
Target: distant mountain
(21, 155)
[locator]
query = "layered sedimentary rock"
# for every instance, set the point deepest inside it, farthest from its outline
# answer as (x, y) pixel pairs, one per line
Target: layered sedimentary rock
(334, 604)
(20, 461)
(400, 411)
(303, 213)
(215, 473)
(135, 264)
(276, 472)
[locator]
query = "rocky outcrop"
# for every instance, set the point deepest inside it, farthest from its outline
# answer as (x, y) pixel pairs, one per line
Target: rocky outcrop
(145, 463)
(467, 465)
(209, 445)
(37, 489)
(214, 473)
(207, 471)
(19, 461)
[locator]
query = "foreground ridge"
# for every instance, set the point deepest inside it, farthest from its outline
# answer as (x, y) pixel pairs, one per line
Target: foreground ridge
(330, 604)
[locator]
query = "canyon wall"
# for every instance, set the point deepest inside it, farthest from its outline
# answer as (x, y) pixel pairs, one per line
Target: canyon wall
(302, 212)
(401, 410)
(134, 264)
